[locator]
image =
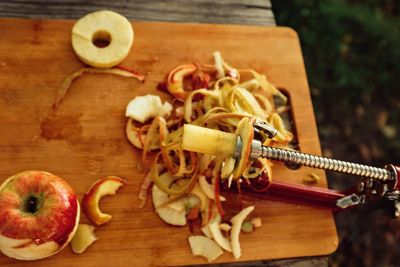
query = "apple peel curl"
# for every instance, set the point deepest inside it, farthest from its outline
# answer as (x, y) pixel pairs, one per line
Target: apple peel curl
(90, 201)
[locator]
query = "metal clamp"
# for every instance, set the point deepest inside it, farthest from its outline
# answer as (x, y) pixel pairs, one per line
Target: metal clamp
(348, 201)
(264, 130)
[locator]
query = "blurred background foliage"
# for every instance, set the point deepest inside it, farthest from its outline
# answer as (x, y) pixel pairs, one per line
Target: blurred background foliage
(352, 56)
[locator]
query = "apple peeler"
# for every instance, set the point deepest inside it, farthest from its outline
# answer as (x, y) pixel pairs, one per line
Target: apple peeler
(376, 183)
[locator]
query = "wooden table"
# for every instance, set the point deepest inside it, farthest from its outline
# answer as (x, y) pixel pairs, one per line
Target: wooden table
(248, 12)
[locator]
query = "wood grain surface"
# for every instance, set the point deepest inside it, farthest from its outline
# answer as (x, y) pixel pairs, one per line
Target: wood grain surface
(84, 139)
(256, 12)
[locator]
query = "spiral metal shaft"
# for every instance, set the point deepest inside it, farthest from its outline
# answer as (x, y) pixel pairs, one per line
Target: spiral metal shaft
(314, 161)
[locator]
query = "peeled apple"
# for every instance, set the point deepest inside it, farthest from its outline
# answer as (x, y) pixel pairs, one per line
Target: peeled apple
(213, 142)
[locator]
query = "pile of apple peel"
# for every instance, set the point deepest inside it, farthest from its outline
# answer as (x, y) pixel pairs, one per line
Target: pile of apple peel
(185, 185)
(84, 236)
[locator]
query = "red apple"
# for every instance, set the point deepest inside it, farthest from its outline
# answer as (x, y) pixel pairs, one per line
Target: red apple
(90, 201)
(39, 215)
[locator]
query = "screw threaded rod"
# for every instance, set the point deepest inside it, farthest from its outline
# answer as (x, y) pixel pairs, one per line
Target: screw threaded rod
(325, 163)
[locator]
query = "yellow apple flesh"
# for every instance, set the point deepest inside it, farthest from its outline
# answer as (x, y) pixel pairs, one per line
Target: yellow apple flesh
(107, 27)
(83, 238)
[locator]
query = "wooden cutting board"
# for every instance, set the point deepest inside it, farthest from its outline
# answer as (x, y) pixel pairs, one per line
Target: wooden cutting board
(84, 139)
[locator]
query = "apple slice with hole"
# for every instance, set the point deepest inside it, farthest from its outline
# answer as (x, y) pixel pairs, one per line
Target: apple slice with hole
(102, 39)
(90, 201)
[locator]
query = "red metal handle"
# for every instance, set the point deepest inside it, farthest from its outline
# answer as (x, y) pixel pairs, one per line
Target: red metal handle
(311, 195)
(301, 194)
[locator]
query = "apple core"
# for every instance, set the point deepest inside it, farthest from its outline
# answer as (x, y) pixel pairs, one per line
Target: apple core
(32, 204)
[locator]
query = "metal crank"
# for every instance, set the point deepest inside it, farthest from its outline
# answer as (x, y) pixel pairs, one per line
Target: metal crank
(376, 182)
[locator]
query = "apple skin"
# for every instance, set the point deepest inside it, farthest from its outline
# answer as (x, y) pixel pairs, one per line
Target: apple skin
(28, 235)
(175, 80)
(90, 201)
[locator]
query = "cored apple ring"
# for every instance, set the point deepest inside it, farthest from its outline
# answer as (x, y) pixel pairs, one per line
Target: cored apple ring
(102, 39)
